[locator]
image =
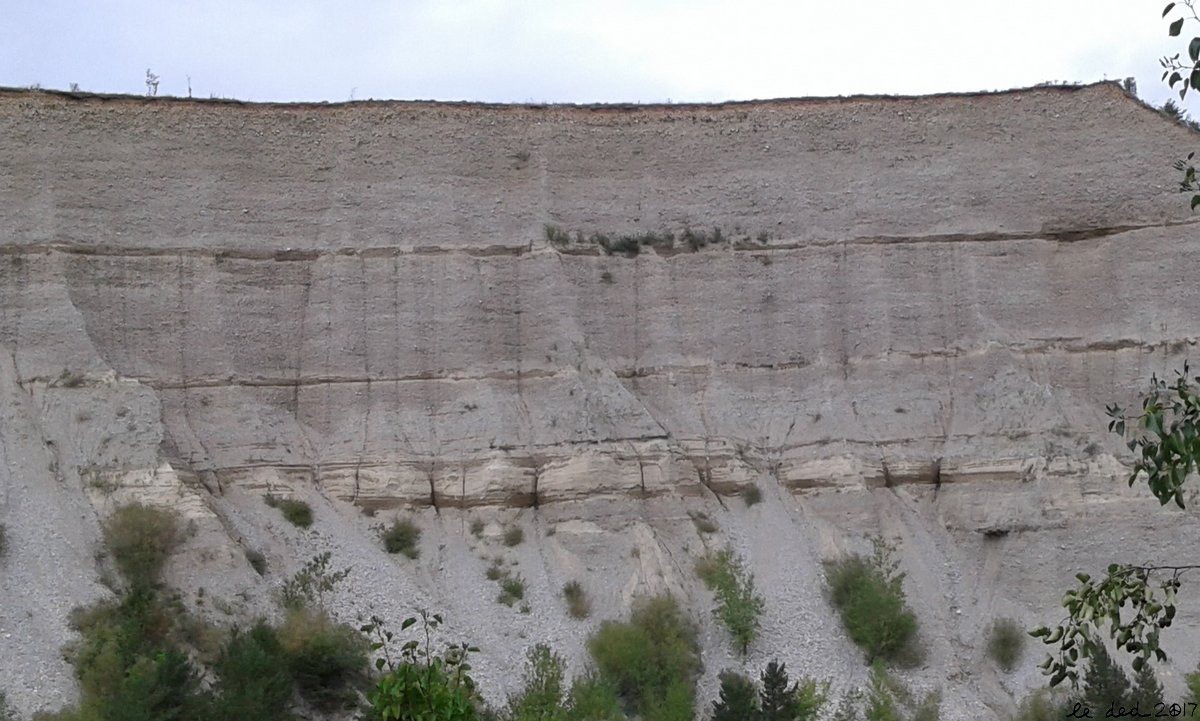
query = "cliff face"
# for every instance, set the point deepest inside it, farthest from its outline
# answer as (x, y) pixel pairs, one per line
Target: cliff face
(919, 312)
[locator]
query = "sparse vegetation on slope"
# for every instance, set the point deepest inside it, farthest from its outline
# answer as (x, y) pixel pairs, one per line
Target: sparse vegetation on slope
(402, 537)
(738, 605)
(137, 657)
(140, 538)
(869, 595)
(577, 602)
(297, 512)
(512, 589)
(886, 699)
(630, 245)
(513, 536)
(1006, 643)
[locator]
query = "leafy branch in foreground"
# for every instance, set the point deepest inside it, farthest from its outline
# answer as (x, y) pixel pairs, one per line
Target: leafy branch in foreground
(1168, 447)
(1186, 76)
(1135, 602)
(1100, 603)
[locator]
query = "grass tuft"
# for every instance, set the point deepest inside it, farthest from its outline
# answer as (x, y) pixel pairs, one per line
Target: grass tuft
(1006, 643)
(577, 601)
(513, 536)
(752, 495)
(512, 589)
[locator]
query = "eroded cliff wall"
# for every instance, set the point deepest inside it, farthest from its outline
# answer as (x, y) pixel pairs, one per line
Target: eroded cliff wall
(922, 308)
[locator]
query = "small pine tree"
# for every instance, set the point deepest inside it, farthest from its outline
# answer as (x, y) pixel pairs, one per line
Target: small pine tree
(800, 701)
(1104, 682)
(778, 701)
(738, 700)
(1147, 689)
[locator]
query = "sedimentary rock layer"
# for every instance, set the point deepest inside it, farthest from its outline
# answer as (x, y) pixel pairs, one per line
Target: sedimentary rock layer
(920, 309)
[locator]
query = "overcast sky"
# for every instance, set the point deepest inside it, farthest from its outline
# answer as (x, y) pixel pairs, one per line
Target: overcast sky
(585, 51)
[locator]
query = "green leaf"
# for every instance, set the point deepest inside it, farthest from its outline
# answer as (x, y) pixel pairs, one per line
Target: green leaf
(407, 622)
(1169, 8)
(1176, 27)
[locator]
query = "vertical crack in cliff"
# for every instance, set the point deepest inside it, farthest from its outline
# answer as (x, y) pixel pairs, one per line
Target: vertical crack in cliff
(185, 392)
(430, 476)
(400, 438)
(310, 449)
(366, 415)
(525, 423)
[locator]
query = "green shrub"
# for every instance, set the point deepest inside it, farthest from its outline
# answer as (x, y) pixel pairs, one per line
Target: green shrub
(297, 512)
(257, 561)
(752, 495)
(869, 596)
(403, 537)
(128, 663)
(513, 536)
(651, 660)
(541, 697)
(308, 586)
(1006, 643)
(140, 539)
(3, 547)
(163, 685)
(253, 680)
(593, 698)
(577, 601)
(512, 589)
(477, 527)
(327, 660)
(738, 605)
(1192, 680)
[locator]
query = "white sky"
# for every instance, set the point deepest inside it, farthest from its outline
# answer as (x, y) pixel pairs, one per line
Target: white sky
(578, 51)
